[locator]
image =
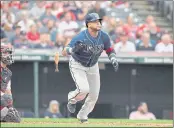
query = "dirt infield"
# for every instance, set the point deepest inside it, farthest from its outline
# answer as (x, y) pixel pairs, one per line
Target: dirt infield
(109, 124)
(92, 123)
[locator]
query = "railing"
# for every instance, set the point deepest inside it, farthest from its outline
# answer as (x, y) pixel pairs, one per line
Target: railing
(133, 57)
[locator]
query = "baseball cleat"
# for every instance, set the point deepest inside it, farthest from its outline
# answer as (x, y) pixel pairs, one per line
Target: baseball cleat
(71, 107)
(83, 121)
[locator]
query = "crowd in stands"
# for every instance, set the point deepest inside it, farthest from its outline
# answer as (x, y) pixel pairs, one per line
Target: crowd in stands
(52, 24)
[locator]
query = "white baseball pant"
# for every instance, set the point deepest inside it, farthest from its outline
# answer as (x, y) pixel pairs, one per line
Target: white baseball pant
(87, 80)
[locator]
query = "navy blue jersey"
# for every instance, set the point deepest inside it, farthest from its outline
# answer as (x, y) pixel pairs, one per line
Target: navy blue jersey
(88, 56)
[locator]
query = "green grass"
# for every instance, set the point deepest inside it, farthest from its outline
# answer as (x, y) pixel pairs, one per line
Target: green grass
(70, 122)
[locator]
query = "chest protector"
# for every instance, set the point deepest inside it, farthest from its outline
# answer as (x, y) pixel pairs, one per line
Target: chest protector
(5, 78)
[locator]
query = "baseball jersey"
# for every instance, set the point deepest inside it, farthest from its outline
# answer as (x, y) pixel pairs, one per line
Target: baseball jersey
(93, 47)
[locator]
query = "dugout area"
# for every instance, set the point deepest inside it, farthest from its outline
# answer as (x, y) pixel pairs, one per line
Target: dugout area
(120, 92)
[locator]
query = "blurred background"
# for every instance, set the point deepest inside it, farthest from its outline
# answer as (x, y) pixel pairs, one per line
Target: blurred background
(36, 29)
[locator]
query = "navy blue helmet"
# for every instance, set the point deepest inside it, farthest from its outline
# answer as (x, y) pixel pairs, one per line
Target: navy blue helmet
(92, 17)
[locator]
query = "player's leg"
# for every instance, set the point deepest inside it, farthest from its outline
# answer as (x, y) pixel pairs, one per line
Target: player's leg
(8, 113)
(80, 78)
(93, 77)
(6, 100)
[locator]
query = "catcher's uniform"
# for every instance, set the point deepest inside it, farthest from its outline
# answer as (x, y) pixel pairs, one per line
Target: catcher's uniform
(8, 113)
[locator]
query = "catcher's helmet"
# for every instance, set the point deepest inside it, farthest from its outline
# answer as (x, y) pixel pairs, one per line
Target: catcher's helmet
(92, 17)
(7, 54)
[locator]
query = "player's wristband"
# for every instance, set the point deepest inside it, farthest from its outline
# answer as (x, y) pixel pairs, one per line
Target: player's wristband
(68, 50)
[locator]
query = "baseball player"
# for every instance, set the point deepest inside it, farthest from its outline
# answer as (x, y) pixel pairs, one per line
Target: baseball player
(85, 49)
(8, 112)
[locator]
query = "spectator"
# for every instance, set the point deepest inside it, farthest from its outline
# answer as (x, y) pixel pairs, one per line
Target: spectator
(47, 15)
(40, 26)
(70, 8)
(155, 33)
(3, 36)
(149, 20)
(45, 42)
(142, 113)
(25, 22)
(15, 4)
(5, 8)
(16, 35)
(24, 5)
(37, 10)
(50, 28)
(124, 45)
(120, 4)
(116, 35)
(112, 23)
(57, 7)
(8, 19)
(33, 35)
(144, 27)
(132, 27)
(165, 45)
(19, 40)
(140, 30)
(97, 9)
(80, 15)
(145, 44)
(53, 110)
(68, 27)
(105, 4)
(60, 42)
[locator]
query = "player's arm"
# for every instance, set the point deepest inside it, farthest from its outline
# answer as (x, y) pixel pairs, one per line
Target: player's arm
(110, 52)
(8, 90)
(112, 57)
(67, 51)
(68, 48)
(74, 45)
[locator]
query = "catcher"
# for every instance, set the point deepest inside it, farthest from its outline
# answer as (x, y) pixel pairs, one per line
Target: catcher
(8, 112)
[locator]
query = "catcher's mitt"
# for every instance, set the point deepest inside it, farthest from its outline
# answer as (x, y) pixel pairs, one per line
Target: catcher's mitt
(12, 116)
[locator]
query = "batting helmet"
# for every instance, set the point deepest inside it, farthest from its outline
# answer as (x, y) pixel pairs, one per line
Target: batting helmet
(92, 17)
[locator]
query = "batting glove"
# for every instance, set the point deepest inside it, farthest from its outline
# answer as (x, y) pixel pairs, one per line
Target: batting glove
(115, 63)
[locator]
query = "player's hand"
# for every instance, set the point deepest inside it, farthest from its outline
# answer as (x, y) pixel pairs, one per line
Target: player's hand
(115, 64)
(64, 53)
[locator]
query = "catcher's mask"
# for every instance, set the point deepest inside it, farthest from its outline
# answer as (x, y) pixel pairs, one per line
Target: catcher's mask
(7, 54)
